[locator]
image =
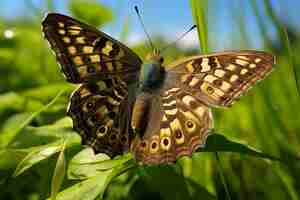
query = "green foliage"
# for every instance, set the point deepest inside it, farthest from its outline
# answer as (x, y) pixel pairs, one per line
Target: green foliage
(257, 140)
(97, 14)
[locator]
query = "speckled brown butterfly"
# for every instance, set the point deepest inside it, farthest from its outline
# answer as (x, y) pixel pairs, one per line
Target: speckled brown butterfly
(158, 113)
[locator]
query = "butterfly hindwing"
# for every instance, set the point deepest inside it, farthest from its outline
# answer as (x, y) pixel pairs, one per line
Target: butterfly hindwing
(219, 79)
(178, 124)
(101, 115)
(86, 53)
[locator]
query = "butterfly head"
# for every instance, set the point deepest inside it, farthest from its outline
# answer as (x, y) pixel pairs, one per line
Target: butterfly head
(155, 57)
(152, 73)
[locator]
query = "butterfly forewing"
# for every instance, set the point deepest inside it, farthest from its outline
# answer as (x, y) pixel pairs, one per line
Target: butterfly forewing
(86, 53)
(219, 79)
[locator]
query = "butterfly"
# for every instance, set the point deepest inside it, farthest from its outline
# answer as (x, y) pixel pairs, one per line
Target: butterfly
(159, 113)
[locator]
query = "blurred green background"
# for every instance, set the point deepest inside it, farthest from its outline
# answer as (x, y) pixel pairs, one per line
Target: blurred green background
(266, 118)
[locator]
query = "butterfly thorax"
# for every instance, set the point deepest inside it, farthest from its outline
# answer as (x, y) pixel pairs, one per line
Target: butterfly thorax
(152, 72)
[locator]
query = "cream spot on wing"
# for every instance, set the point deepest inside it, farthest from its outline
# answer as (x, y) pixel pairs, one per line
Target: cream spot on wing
(165, 132)
(190, 67)
(188, 99)
(94, 58)
(84, 92)
(234, 77)
(102, 85)
(205, 65)
(61, 31)
(225, 86)
(66, 40)
(241, 62)
(77, 60)
(252, 65)
(171, 103)
(257, 60)
(244, 71)
(164, 118)
(200, 111)
(75, 27)
(175, 125)
(88, 49)
(173, 89)
(219, 73)
(61, 24)
(231, 67)
(108, 48)
(243, 57)
(171, 112)
(74, 32)
(72, 49)
(209, 78)
(80, 40)
(112, 101)
(194, 82)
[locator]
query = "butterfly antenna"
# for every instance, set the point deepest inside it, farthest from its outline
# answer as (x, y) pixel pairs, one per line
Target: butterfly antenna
(182, 36)
(143, 25)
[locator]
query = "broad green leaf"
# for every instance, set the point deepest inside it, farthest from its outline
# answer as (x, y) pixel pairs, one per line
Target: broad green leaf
(86, 190)
(11, 100)
(217, 142)
(14, 132)
(91, 12)
(37, 155)
(7, 131)
(95, 186)
(59, 173)
(86, 164)
(9, 158)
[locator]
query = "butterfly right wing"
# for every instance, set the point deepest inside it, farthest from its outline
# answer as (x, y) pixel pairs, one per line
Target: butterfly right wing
(219, 79)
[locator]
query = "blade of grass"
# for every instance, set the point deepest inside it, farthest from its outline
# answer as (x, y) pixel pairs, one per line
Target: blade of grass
(221, 172)
(59, 173)
(199, 9)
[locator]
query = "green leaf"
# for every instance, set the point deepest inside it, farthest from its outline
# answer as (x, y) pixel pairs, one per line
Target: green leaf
(95, 186)
(37, 155)
(59, 173)
(35, 136)
(91, 12)
(86, 164)
(9, 158)
(217, 142)
(7, 138)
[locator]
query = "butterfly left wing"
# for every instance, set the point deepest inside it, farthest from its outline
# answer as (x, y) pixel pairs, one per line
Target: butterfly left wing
(219, 79)
(108, 70)
(177, 124)
(86, 53)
